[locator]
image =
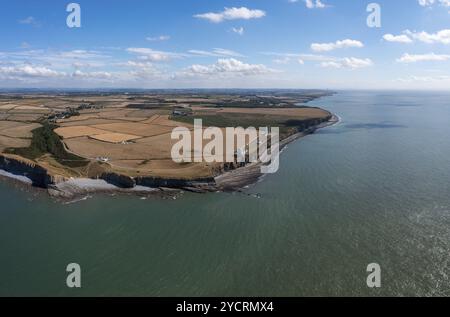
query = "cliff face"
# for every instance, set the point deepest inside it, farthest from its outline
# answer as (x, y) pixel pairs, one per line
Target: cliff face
(38, 175)
(123, 181)
(119, 180)
(174, 183)
(199, 185)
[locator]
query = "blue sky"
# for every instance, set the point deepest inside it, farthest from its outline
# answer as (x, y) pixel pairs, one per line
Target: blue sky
(226, 44)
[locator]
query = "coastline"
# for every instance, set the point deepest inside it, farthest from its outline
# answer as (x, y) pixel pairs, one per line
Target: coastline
(33, 175)
(240, 178)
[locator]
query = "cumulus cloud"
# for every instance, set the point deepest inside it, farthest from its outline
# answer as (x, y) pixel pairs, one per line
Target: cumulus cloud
(311, 4)
(31, 72)
(34, 64)
(430, 57)
(441, 37)
(228, 66)
(429, 3)
(231, 14)
(74, 68)
(289, 59)
(19, 71)
(348, 62)
(397, 38)
(325, 47)
(153, 55)
(92, 75)
(141, 69)
(426, 3)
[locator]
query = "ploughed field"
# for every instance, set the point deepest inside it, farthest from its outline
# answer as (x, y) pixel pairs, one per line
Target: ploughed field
(85, 135)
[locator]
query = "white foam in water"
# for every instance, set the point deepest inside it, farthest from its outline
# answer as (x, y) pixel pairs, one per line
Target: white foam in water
(20, 178)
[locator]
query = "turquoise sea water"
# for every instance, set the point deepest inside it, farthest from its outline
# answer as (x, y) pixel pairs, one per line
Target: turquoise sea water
(375, 188)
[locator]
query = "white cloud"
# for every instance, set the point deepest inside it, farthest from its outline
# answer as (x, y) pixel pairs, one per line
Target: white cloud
(397, 38)
(311, 4)
(28, 71)
(282, 61)
(158, 38)
(429, 3)
(80, 54)
(325, 47)
(148, 54)
(431, 57)
(30, 21)
(239, 30)
(154, 56)
(426, 3)
(92, 75)
(33, 72)
(425, 79)
(231, 14)
(441, 37)
(61, 61)
(88, 64)
(228, 66)
(323, 60)
(217, 52)
(142, 70)
(72, 68)
(348, 62)
(287, 60)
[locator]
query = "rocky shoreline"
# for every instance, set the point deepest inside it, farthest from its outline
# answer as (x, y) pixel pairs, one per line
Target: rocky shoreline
(239, 178)
(27, 171)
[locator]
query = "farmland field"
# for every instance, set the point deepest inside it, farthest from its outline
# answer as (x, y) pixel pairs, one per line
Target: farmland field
(113, 137)
(131, 134)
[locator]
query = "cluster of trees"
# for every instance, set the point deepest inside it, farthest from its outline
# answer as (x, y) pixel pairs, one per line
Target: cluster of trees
(46, 141)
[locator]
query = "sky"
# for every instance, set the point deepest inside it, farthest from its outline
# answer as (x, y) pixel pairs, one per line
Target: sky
(323, 44)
